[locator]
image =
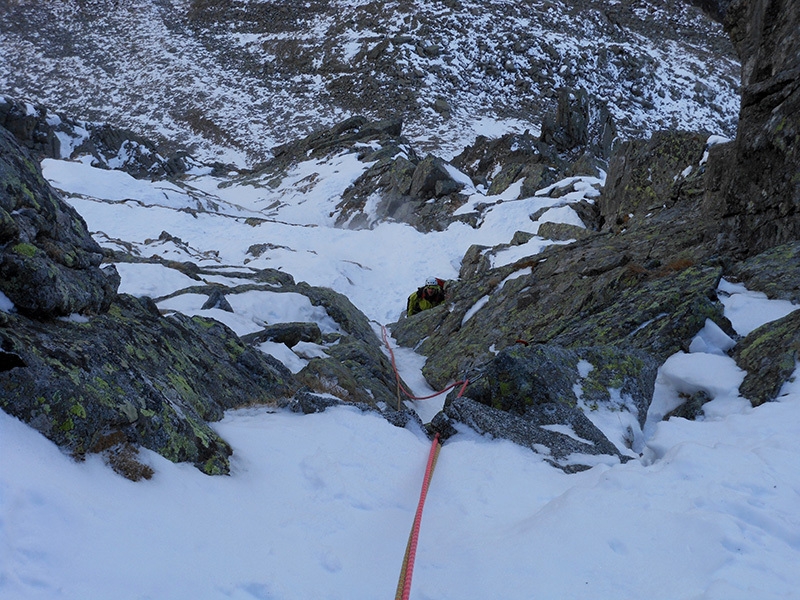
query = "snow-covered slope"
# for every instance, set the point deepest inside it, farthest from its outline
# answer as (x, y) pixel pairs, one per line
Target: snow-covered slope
(228, 80)
(320, 506)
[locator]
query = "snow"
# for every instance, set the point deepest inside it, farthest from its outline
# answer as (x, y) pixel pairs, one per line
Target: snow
(320, 506)
(6, 305)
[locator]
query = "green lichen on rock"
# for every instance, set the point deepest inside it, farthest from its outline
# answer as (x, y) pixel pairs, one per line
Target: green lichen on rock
(156, 380)
(23, 249)
(770, 355)
(776, 272)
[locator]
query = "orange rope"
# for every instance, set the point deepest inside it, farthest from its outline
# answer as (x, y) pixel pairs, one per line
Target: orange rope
(408, 394)
(407, 572)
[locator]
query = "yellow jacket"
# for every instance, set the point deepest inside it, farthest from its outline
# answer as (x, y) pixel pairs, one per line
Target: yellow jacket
(424, 298)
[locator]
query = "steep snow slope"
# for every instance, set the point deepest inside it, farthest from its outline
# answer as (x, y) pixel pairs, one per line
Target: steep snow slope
(229, 79)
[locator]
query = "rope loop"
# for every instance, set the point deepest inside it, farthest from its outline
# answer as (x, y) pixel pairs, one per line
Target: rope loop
(400, 388)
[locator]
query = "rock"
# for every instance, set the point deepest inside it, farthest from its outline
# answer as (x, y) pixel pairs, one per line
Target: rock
(29, 125)
(111, 147)
(594, 292)
(341, 310)
(307, 402)
(524, 377)
(341, 137)
(579, 123)
(156, 380)
(691, 408)
(562, 231)
(427, 174)
(49, 264)
(290, 334)
(644, 175)
(561, 450)
(770, 355)
(357, 372)
(760, 189)
(442, 107)
(775, 272)
(496, 163)
(216, 299)
(659, 316)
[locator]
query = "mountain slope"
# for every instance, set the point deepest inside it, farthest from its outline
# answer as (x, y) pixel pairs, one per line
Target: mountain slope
(228, 80)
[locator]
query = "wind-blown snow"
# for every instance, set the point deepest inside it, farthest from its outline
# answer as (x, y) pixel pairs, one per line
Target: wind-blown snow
(320, 506)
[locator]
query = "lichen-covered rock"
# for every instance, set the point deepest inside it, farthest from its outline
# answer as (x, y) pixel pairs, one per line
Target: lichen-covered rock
(49, 264)
(356, 372)
(775, 272)
(157, 380)
(644, 175)
(355, 369)
(560, 449)
(770, 355)
(522, 377)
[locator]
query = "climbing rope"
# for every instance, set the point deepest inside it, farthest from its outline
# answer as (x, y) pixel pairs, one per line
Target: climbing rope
(400, 388)
(407, 571)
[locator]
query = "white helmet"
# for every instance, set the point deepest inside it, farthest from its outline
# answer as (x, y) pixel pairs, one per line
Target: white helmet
(431, 281)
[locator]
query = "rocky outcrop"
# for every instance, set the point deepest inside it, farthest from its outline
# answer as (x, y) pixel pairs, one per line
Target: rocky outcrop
(352, 366)
(549, 393)
(775, 272)
(760, 195)
(580, 123)
(770, 355)
(135, 375)
(49, 264)
(496, 163)
(48, 135)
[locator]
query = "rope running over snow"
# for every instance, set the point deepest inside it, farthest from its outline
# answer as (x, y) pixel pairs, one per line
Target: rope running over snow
(406, 573)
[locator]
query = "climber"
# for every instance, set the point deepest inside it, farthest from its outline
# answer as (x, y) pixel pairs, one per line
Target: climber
(429, 295)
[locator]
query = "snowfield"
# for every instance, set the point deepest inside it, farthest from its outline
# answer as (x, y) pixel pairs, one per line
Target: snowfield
(320, 506)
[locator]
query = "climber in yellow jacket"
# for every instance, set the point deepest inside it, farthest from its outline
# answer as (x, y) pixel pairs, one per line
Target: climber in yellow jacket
(429, 295)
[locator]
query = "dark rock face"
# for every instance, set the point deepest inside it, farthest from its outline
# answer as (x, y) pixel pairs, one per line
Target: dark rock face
(580, 123)
(289, 334)
(762, 195)
(775, 272)
(29, 125)
(155, 380)
(542, 386)
(49, 264)
(770, 355)
(559, 448)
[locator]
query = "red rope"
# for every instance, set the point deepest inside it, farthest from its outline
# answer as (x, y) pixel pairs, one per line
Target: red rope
(400, 386)
(404, 584)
